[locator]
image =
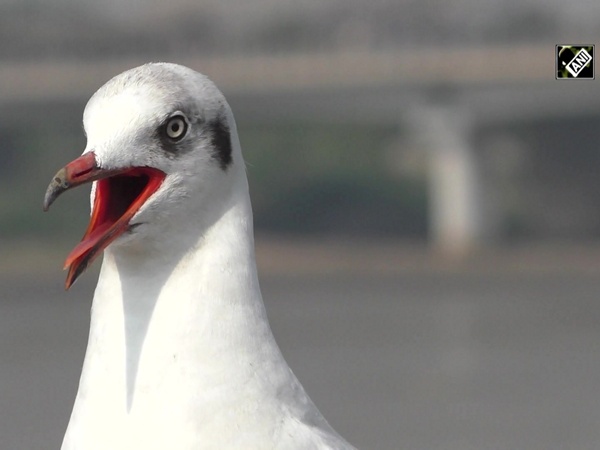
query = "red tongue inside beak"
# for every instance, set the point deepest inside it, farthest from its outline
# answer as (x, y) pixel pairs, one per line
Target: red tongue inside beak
(118, 197)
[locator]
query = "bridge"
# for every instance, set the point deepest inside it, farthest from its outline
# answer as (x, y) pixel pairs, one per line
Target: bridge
(443, 94)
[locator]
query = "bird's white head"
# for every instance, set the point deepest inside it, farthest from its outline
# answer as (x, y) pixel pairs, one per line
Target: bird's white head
(161, 145)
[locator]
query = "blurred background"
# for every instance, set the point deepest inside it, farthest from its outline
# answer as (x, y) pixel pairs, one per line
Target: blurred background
(424, 194)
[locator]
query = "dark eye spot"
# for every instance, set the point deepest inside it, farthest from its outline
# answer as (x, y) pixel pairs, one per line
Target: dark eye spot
(220, 139)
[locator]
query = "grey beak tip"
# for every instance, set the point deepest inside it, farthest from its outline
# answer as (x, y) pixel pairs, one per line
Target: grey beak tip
(57, 186)
(50, 196)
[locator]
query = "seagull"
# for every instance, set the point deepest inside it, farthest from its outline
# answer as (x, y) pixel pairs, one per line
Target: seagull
(180, 353)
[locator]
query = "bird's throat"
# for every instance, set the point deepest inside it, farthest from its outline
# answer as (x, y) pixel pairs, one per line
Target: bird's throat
(167, 327)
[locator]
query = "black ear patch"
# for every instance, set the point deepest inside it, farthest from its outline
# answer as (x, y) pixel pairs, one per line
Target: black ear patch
(220, 139)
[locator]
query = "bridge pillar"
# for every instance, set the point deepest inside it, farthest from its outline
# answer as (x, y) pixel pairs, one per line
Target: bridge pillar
(457, 220)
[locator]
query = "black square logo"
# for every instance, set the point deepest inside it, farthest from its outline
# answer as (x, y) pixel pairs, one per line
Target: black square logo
(575, 61)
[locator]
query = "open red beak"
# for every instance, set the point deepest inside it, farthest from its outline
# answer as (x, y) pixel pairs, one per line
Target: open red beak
(120, 193)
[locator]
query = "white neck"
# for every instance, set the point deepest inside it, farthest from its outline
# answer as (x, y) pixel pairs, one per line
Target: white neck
(180, 352)
(180, 342)
(200, 306)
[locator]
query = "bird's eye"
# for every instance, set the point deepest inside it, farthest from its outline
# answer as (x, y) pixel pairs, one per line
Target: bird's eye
(176, 128)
